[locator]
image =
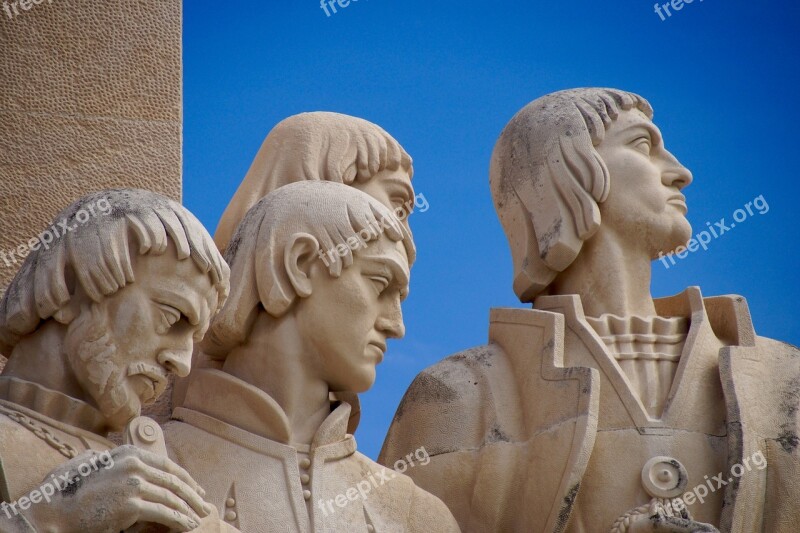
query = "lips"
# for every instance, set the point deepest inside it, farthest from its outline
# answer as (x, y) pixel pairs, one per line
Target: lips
(155, 382)
(678, 200)
(149, 389)
(381, 346)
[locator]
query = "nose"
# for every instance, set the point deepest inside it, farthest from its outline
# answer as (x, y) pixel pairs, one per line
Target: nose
(390, 322)
(178, 362)
(674, 173)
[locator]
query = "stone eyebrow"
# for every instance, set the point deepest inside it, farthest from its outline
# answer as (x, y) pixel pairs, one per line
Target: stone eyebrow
(651, 130)
(399, 274)
(173, 299)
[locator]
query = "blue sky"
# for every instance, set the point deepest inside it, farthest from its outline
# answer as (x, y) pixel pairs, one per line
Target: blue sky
(444, 77)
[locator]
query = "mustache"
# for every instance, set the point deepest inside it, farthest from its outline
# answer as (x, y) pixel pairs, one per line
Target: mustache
(154, 373)
(147, 369)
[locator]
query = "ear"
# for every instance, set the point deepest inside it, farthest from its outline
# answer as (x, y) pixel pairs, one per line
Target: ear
(299, 255)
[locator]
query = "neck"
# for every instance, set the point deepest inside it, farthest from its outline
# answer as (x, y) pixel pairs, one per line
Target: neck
(39, 358)
(610, 276)
(273, 360)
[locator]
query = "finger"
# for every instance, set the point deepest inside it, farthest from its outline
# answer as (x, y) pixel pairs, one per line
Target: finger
(150, 512)
(166, 465)
(155, 494)
(176, 486)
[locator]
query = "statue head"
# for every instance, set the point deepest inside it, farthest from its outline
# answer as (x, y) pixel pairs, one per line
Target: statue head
(342, 310)
(574, 160)
(323, 146)
(121, 294)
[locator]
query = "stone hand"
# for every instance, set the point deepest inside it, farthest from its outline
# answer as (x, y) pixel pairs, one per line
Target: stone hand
(136, 486)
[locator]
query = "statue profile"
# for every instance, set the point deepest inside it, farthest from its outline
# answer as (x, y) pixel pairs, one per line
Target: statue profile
(267, 434)
(601, 408)
(323, 146)
(318, 146)
(93, 323)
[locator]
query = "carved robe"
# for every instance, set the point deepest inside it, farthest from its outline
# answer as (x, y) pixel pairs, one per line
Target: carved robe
(540, 430)
(235, 441)
(40, 429)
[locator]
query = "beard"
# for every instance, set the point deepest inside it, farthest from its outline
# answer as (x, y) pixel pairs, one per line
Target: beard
(92, 354)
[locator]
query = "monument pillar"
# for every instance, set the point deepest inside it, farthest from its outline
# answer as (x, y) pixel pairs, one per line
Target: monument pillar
(90, 98)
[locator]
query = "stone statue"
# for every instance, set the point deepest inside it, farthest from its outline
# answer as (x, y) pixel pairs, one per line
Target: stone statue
(318, 270)
(311, 147)
(323, 146)
(104, 308)
(602, 409)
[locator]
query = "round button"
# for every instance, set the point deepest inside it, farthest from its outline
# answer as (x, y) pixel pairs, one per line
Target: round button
(304, 479)
(147, 432)
(305, 463)
(664, 477)
(230, 502)
(230, 516)
(307, 494)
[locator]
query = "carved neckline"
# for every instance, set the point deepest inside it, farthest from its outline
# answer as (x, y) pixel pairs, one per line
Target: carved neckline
(692, 362)
(65, 411)
(653, 338)
(40, 431)
(226, 398)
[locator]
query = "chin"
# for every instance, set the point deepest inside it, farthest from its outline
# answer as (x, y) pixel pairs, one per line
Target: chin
(117, 416)
(671, 238)
(362, 381)
(117, 421)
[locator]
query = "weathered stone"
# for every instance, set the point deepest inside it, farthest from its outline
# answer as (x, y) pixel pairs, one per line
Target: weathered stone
(90, 99)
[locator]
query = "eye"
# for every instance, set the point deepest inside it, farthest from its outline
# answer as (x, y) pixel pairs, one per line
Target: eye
(169, 316)
(380, 283)
(643, 144)
(398, 201)
(404, 294)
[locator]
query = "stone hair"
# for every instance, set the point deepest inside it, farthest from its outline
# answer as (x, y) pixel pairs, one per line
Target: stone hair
(96, 255)
(330, 212)
(547, 179)
(314, 146)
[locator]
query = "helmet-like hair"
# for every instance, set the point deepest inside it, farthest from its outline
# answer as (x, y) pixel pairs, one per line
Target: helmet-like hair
(547, 179)
(95, 254)
(313, 146)
(332, 213)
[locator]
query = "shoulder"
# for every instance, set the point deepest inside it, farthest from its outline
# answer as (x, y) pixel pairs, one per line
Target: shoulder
(458, 380)
(773, 345)
(15, 439)
(420, 510)
(449, 406)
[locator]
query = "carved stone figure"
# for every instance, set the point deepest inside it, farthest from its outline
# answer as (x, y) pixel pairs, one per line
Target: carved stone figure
(323, 146)
(312, 147)
(602, 409)
(101, 312)
(319, 270)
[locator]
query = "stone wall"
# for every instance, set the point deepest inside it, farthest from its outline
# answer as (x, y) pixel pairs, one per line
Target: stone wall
(90, 98)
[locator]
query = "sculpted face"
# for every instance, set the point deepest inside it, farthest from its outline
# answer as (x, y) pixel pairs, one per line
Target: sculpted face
(347, 320)
(645, 204)
(122, 349)
(392, 188)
